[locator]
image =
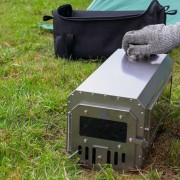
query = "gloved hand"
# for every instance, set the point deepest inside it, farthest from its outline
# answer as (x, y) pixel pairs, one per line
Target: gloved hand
(152, 39)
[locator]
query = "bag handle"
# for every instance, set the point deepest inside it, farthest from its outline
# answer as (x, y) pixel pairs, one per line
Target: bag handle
(64, 45)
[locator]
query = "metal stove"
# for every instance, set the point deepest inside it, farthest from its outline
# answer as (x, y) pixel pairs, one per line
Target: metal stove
(113, 116)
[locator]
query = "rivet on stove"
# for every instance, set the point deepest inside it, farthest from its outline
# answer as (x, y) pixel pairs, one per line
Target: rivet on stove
(85, 111)
(146, 129)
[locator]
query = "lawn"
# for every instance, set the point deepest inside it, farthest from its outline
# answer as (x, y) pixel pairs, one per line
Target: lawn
(34, 86)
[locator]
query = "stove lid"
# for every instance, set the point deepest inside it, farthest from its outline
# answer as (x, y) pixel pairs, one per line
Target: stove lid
(118, 76)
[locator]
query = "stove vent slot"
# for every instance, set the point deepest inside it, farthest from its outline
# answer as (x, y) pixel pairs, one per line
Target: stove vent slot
(123, 157)
(108, 157)
(116, 158)
(94, 156)
(79, 150)
(86, 153)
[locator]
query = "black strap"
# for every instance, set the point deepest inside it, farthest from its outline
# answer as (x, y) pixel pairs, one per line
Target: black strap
(47, 18)
(69, 45)
(166, 8)
(170, 12)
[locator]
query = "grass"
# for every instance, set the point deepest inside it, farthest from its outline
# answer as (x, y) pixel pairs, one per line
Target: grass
(34, 86)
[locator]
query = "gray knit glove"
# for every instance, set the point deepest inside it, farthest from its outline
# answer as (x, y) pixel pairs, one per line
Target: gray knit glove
(152, 39)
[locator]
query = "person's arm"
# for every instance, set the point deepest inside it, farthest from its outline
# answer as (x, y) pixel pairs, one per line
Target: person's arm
(152, 39)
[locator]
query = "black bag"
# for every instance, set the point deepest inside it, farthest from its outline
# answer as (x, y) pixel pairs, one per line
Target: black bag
(97, 34)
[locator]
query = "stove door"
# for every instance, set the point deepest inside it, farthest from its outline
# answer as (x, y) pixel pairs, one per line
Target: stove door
(101, 134)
